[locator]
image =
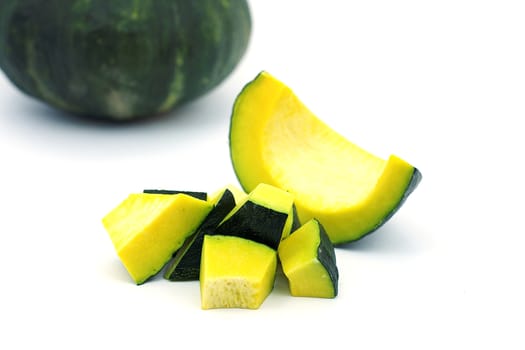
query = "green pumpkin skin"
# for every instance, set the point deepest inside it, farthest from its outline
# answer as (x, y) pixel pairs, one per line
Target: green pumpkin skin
(121, 59)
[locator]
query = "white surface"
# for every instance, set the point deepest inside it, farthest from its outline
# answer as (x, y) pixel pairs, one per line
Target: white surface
(441, 84)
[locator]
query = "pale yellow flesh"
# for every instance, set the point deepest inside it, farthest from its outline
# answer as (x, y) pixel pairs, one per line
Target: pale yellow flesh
(310, 157)
(146, 229)
(307, 277)
(235, 272)
(276, 139)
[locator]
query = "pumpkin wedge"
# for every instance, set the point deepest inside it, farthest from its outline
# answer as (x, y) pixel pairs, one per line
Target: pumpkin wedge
(308, 260)
(146, 229)
(275, 139)
(235, 272)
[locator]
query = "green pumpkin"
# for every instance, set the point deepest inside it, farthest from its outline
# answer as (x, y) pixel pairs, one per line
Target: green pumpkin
(121, 59)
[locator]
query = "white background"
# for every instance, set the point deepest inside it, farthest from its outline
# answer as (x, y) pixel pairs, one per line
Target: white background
(438, 83)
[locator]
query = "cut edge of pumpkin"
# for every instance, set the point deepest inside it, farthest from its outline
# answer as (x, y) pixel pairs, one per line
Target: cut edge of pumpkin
(390, 191)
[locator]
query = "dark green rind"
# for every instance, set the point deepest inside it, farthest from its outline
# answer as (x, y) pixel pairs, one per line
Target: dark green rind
(255, 222)
(121, 59)
(295, 223)
(326, 256)
(199, 195)
(185, 265)
(415, 179)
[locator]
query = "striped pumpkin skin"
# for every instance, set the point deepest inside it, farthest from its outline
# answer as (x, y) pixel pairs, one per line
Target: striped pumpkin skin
(121, 59)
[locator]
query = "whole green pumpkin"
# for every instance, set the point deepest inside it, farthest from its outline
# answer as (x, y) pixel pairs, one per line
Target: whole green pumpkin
(121, 59)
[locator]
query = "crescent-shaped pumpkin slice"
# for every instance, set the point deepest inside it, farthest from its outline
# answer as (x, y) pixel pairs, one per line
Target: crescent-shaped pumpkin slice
(275, 139)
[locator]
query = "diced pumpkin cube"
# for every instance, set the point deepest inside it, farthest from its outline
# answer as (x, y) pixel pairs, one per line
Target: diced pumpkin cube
(308, 260)
(266, 216)
(146, 229)
(235, 272)
(185, 264)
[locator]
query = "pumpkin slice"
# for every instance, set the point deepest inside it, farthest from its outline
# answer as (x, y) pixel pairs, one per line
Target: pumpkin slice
(276, 139)
(185, 265)
(308, 260)
(235, 272)
(146, 229)
(265, 216)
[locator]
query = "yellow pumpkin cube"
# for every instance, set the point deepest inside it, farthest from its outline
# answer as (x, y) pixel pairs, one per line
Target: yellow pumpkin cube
(308, 260)
(235, 272)
(146, 229)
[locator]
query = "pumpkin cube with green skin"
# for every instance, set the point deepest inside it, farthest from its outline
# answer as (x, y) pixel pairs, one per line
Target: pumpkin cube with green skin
(147, 229)
(235, 272)
(308, 260)
(266, 216)
(185, 264)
